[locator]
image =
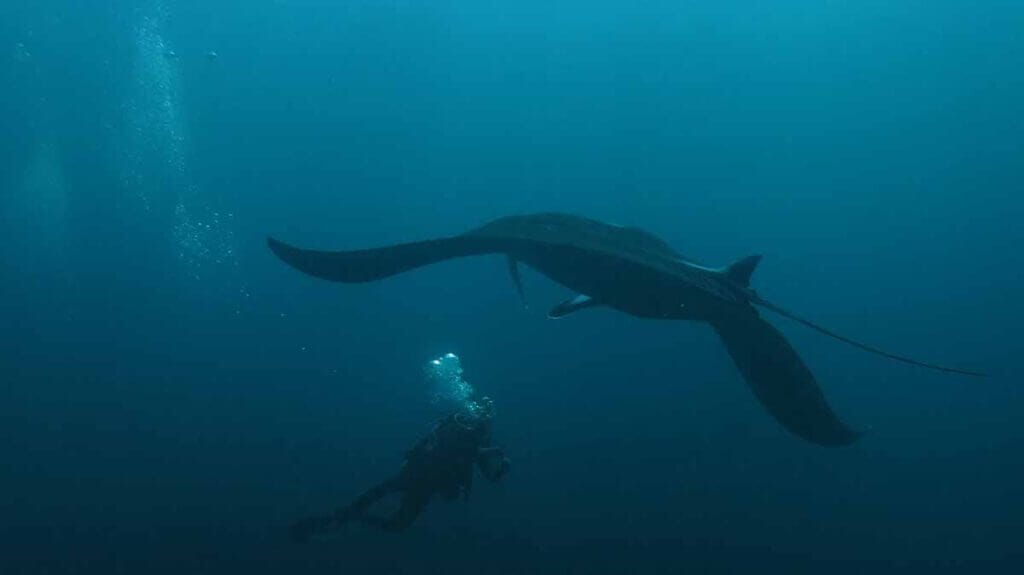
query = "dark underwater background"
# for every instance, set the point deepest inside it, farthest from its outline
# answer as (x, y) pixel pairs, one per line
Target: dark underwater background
(172, 396)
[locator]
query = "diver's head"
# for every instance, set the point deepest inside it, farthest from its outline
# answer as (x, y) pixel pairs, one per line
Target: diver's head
(477, 414)
(485, 408)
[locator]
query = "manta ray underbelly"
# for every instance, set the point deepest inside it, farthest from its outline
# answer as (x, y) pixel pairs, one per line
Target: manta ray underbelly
(624, 284)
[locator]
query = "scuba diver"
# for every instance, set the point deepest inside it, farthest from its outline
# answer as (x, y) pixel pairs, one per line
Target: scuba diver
(441, 463)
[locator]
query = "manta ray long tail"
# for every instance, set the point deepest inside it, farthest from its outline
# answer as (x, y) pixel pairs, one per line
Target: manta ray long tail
(863, 346)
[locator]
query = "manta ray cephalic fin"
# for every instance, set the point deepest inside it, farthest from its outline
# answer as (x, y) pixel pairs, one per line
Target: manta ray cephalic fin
(513, 272)
(571, 305)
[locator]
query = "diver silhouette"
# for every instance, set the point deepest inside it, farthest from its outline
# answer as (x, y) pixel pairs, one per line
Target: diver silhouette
(441, 463)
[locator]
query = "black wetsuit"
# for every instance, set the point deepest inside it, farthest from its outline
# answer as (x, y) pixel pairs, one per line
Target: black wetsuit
(442, 463)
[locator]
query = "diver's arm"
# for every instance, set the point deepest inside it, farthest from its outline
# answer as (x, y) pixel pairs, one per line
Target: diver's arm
(493, 463)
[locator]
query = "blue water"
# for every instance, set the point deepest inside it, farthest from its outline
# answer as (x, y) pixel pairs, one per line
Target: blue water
(173, 396)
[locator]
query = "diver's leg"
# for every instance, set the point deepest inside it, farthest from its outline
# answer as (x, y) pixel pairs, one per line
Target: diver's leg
(301, 531)
(357, 509)
(323, 524)
(413, 503)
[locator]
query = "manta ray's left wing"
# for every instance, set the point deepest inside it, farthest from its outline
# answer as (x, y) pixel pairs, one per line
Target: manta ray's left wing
(357, 266)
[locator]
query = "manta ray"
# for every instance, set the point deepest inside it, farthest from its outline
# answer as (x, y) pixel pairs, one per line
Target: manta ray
(633, 271)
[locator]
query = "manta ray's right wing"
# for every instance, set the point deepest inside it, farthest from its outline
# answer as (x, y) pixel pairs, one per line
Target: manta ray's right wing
(780, 380)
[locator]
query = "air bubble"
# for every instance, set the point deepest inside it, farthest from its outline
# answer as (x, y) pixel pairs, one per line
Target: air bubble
(450, 391)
